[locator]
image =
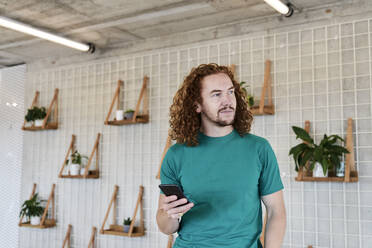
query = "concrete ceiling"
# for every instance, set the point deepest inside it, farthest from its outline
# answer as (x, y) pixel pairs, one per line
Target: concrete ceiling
(110, 23)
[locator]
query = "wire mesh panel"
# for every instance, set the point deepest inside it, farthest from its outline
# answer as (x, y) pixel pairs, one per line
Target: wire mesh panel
(321, 74)
(12, 82)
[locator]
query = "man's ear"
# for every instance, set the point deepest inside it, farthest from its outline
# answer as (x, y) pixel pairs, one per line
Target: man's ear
(198, 107)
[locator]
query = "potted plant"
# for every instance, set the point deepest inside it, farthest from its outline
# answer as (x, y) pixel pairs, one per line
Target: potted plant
(32, 210)
(119, 114)
(76, 161)
(321, 157)
(84, 161)
(249, 98)
(127, 223)
(128, 114)
(29, 117)
(39, 115)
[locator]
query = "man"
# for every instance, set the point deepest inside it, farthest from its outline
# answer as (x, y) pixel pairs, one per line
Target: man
(224, 170)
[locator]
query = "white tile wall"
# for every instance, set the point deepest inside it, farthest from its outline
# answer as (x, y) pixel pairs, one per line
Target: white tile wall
(12, 82)
(322, 74)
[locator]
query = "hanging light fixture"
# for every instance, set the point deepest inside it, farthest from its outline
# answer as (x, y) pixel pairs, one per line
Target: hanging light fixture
(27, 29)
(284, 9)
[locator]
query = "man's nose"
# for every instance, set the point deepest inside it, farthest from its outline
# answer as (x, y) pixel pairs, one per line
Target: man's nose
(227, 99)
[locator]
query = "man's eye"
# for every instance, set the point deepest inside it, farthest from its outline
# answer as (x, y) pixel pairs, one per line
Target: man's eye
(231, 92)
(216, 94)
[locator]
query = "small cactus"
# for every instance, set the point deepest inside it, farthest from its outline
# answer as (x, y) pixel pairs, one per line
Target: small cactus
(127, 221)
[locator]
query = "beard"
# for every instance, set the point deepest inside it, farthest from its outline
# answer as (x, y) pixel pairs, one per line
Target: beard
(216, 119)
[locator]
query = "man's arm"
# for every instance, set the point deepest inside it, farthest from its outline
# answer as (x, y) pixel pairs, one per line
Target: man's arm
(168, 213)
(276, 219)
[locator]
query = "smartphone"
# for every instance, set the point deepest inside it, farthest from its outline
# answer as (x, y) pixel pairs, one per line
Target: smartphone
(173, 189)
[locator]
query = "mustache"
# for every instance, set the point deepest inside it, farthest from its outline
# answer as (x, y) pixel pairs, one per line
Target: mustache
(226, 108)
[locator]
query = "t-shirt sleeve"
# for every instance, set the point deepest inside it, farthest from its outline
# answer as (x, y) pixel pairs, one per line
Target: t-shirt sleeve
(270, 181)
(168, 172)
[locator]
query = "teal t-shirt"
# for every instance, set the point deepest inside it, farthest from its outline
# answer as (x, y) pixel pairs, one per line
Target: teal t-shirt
(224, 177)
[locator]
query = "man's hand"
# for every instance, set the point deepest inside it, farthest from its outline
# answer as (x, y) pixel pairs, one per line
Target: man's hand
(169, 212)
(170, 205)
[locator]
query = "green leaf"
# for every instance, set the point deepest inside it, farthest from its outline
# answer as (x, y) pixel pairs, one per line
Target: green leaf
(312, 164)
(297, 152)
(127, 221)
(325, 165)
(250, 101)
(31, 207)
(129, 111)
(307, 155)
(298, 159)
(337, 149)
(297, 148)
(318, 154)
(302, 134)
(323, 141)
(336, 137)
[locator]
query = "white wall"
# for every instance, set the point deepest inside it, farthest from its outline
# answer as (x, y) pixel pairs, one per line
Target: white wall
(12, 82)
(321, 74)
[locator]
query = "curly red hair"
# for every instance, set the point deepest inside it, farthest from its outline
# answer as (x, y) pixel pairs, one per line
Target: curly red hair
(185, 122)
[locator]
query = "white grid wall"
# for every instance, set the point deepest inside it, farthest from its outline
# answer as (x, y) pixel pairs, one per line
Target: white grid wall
(322, 74)
(12, 81)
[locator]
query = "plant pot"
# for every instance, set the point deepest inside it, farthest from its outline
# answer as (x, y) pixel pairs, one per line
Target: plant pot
(318, 171)
(74, 169)
(126, 228)
(340, 170)
(119, 115)
(28, 124)
(39, 123)
(35, 220)
(128, 116)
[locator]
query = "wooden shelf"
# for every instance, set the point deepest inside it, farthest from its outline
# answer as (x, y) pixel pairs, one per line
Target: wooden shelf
(93, 174)
(47, 224)
(167, 145)
(92, 237)
(261, 108)
(137, 117)
(46, 125)
(353, 178)
(67, 240)
(44, 223)
(118, 230)
(267, 110)
(351, 174)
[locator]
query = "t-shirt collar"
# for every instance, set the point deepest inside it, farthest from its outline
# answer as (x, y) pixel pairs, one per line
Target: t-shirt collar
(204, 138)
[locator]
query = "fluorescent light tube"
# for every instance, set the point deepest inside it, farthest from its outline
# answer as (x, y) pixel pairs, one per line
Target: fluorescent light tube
(280, 7)
(27, 29)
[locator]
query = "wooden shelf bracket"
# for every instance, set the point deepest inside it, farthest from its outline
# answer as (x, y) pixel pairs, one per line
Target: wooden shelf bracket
(167, 145)
(45, 126)
(118, 229)
(87, 173)
(351, 174)
(44, 223)
(137, 118)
